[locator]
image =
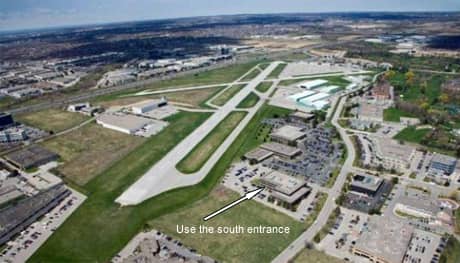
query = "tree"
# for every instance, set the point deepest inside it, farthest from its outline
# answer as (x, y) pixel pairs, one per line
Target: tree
(425, 105)
(389, 74)
(409, 77)
(423, 87)
(444, 98)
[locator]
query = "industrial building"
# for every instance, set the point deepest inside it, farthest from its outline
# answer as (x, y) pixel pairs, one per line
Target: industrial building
(281, 150)
(311, 84)
(285, 190)
(6, 120)
(14, 219)
(385, 240)
(32, 156)
(13, 135)
(313, 99)
(128, 124)
(131, 124)
(78, 107)
(288, 135)
(366, 184)
(148, 105)
(434, 210)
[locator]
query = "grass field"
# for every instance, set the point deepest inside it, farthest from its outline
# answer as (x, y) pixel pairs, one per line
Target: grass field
(393, 114)
(315, 256)
(231, 247)
(87, 236)
(333, 80)
(91, 149)
(5, 102)
(411, 134)
(414, 92)
(52, 119)
(197, 157)
(249, 101)
(264, 86)
(190, 98)
(216, 76)
(451, 253)
(99, 228)
(251, 75)
(227, 95)
(277, 71)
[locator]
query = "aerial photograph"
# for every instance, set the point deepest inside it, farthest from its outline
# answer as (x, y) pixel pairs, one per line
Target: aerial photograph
(243, 131)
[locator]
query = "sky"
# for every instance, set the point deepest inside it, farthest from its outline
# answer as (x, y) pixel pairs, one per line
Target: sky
(27, 14)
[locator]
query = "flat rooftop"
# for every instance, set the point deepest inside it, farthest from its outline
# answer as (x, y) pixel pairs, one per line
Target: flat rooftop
(289, 132)
(302, 115)
(367, 182)
(258, 154)
(31, 156)
(301, 95)
(146, 103)
(386, 237)
(124, 121)
(312, 83)
(391, 148)
(281, 149)
(283, 183)
(444, 159)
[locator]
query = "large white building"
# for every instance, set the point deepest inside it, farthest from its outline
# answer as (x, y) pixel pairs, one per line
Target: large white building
(311, 84)
(148, 105)
(125, 123)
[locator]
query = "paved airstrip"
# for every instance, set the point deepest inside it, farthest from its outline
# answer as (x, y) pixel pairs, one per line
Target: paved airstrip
(164, 176)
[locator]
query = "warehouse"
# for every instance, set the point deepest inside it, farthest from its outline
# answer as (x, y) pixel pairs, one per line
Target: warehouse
(312, 84)
(385, 240)
(131, 124)
(15, 219)
(32, 156)
(122, 122)
(148, 105)
(6, 120)
(329, 89)
(301, 95)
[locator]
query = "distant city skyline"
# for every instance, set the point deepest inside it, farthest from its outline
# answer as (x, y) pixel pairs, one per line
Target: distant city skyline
(30, 14)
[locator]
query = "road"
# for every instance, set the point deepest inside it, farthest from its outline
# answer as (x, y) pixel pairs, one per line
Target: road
(295, 247)
(164, 176)
(92, 93)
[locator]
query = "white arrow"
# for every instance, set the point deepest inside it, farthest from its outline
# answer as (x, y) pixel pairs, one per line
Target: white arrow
(247, 196)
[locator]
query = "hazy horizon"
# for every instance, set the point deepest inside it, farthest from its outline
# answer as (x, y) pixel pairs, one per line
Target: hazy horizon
(33, 14)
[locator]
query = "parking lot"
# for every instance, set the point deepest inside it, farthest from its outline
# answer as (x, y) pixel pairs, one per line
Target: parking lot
(344, 234)
(425, 247)
(29, 240)
(320, 156)
(365, 203)
(242, 177)
(312, 68)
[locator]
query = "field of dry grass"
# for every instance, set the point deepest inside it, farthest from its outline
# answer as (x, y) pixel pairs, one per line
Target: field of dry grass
(88, 151)
(52, 119)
